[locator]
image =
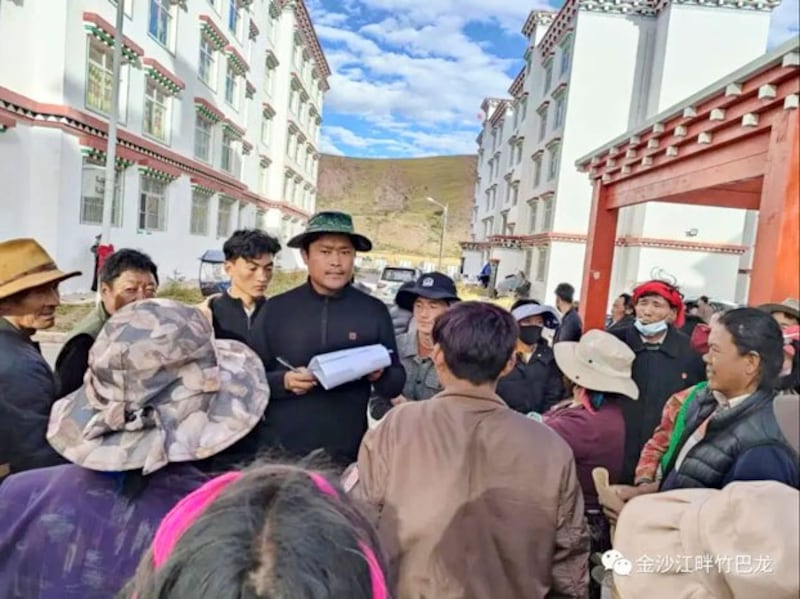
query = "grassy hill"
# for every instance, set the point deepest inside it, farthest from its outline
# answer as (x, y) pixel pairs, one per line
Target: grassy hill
(387, 200)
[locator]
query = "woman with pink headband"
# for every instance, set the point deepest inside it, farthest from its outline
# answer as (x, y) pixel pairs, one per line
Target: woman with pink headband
(272, 531)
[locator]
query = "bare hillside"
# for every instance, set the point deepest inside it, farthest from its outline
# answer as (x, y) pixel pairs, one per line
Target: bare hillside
(387, 199)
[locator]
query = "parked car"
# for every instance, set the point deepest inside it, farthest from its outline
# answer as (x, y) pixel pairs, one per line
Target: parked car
(390, 280)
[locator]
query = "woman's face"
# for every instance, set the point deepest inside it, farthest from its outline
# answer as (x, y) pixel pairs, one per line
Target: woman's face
(618, 309)
(654, 308)
(729, 372)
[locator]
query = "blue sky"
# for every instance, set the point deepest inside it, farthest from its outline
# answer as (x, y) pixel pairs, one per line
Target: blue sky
(409, 76)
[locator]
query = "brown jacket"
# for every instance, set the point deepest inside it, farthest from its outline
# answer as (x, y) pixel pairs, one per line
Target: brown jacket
(473, 500)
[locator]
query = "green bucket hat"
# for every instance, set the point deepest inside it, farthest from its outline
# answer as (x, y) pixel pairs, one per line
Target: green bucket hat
(334, 223)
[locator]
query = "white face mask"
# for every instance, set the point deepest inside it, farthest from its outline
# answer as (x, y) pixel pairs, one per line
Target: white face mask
(652, 329)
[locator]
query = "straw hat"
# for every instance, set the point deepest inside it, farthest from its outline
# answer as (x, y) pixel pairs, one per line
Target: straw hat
(159, 389)
(790, 306)
(24, 264)
(598, 362)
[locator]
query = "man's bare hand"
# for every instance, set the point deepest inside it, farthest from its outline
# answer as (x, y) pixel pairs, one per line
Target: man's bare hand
(299, 382)
(374, 376)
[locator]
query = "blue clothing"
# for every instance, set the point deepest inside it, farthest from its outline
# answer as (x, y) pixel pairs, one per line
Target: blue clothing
(71, 533)
(766, 462)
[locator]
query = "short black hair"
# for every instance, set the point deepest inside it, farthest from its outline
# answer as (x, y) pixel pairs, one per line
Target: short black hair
(754, 330)
(565, 292)
(525, 302)
(124, 260)
(250, 244)
(477, 340)
(704, 299)
(627, 300)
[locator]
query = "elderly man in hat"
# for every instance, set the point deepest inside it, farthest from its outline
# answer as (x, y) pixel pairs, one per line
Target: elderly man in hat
(29, 280)
(426, 299)
(324, 314)
(665, 363)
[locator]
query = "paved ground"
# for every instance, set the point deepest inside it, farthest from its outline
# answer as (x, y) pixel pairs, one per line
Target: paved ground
(50, 352)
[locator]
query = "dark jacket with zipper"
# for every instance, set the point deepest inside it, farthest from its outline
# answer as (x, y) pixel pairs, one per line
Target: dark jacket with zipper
(298, 325)
(535, 386)
(27, 392)
(744, 442)
(659, 370)
(73, 359)
(230, 319)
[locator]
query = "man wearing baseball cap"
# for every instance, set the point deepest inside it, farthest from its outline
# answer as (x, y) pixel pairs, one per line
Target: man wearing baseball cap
(29, 280)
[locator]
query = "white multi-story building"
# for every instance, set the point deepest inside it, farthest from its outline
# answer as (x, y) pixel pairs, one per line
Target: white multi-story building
(595, 68)
(219, 122)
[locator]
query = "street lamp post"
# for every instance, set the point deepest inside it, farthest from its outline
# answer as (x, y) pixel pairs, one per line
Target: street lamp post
(444, 228)
(111, 148)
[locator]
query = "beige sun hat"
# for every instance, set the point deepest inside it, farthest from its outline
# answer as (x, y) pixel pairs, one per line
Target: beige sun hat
(790, 306)
(159, 389)
(740, 542)
(598, 362)
(24, 264)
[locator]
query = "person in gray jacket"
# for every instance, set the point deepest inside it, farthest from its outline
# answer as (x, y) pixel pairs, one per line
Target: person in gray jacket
(427, 298)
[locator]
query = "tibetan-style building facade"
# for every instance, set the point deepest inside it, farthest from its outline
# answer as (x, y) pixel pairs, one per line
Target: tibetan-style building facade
(595, 68)
(219, 125)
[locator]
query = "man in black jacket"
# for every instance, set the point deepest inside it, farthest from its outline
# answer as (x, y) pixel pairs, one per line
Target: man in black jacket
(571, 327)
(665, 364)
(249, 262)
(29, 280)
(325, 314)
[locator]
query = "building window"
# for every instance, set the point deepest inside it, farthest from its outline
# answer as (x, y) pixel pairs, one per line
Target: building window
(92, 190)
(234, 17)
(537, 171)
(548, 75)
(263, 179)
(514, 195)
(206, 70)
(269, 79)
(203, 138)
(561, 104)
(266, 128)
(232, 87)
(555, 155)
(152, 205)
(161, 23)
(541, 265)
(261, 220)
(524, 109)
(543, 123)
(534, 216)
(566, 55)
(156, 111)
(548, 213)
(224, 214)
(230, 158)
(99, 77)
(199, 224)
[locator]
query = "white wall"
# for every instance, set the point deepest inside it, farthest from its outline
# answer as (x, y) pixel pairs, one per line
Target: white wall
(473, 263)
(605, 86)
(565, 266)
(511, 262)
(697, 273)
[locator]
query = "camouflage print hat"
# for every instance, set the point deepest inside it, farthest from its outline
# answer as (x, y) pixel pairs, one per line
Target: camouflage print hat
(332, 223)
(159, 389)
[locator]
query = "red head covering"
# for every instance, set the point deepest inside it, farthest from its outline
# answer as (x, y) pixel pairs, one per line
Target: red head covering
(668, 292)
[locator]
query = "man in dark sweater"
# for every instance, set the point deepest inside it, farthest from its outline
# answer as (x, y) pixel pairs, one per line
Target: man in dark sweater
(249, 262)
(571, 327)
(325, 314)
(127, 276)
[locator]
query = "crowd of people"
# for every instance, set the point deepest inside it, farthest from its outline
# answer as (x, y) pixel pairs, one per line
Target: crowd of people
(181, 452)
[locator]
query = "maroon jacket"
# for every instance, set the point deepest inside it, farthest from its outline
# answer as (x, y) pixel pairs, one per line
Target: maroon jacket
(597, 440)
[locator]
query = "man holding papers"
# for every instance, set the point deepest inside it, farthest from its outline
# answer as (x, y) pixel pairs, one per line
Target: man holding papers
(326, 314)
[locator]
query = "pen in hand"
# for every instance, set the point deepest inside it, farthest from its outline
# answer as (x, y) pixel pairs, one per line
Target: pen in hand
(286, 364)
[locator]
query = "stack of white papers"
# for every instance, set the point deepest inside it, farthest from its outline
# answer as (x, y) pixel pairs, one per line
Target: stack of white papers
(348, 365)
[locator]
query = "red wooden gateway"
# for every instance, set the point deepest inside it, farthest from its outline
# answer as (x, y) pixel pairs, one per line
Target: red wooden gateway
(733, 145)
